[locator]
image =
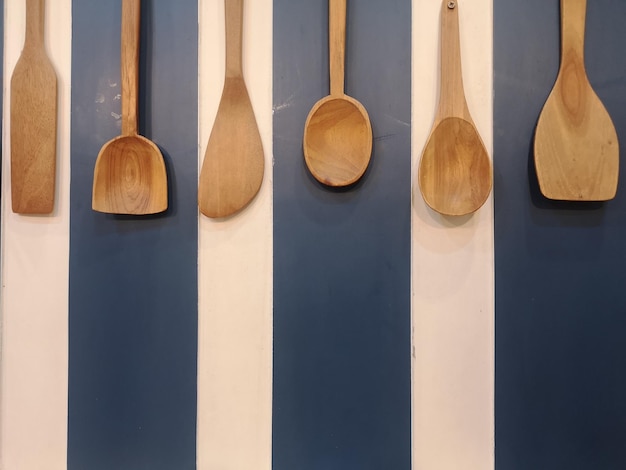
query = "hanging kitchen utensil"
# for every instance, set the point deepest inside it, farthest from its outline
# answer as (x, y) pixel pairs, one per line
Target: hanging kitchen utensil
(33, 121)
(233, 166)
(576, 147)
(454, 171)
(337, 140)
(130, 176)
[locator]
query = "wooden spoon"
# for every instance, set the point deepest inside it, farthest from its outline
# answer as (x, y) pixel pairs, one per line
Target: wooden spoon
(232, 171)
(576, 146)
(129, 176)
(337, 134)
(33, 121)
(455, 170)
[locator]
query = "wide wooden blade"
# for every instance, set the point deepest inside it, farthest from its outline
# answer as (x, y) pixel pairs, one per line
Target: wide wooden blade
(232, 171)
(576, 148)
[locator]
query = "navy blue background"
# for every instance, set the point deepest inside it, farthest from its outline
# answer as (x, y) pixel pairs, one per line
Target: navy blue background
(342, 391)
(133, 280)
(560, 284)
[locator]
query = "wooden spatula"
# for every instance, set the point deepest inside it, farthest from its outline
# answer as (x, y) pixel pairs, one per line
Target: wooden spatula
(455, 170)
(576, 147)
(130, 176)
(33, 121)
(232, 170)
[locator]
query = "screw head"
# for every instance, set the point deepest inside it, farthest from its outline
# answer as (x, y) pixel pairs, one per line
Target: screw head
(451, 5)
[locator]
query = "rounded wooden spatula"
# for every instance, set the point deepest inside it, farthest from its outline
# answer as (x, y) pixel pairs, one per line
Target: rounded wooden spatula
(233, 166)
(454, 171)
(33, 121)
(576, 148)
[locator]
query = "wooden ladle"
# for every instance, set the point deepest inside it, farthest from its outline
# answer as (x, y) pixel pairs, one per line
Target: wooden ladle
(576, 146)
(337, 140)
(233, 166)
(454, 171)
(130, 176)
(33, 121)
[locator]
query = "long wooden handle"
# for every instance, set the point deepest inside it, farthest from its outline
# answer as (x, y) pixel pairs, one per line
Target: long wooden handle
(337, 45)
(234, 37)
(35, 14)
(573, 14)
(451, 94)
(131, 21)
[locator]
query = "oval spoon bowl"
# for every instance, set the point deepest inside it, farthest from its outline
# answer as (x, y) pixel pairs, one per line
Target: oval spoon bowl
(337, 140)
(455, 170)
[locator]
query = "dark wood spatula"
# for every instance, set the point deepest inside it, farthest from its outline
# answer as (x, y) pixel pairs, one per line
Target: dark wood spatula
(33, 121)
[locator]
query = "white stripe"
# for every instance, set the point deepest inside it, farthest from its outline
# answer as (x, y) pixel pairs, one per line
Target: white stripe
(452, 266)
(35, 278)
(235, 268)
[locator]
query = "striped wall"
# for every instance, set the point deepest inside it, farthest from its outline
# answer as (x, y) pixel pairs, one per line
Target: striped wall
(317, 329)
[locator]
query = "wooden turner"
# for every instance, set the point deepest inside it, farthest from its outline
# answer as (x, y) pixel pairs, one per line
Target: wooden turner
(455, 170)
(33, 121)
(130, 177)
(576, 146)
(232, 170)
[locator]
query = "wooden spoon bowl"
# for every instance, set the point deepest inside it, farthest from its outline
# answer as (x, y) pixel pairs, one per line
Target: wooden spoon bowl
(129, 173)
(455, 159)
(337, 140)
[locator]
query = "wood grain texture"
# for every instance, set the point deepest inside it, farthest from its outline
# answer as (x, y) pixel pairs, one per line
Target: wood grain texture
(130, 176)
(234, 163)
(455, 174)
(576, 148)
(337, 141)
(33, 121)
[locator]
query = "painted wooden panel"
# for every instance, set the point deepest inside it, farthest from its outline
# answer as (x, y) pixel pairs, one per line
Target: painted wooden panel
(342, 393)
(560, 299)
(133, 280)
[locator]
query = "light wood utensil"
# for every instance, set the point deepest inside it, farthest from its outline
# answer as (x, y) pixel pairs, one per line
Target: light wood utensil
(33, 121)
(576, 147)
(454, 171)
(337, 134)
(130, 176)
(233, 166)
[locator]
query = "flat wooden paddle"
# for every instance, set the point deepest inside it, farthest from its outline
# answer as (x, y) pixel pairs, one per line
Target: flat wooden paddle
(337, 140)
(576, 146)
(454, 171)
(33, 121)
(130, 176)
(233, 166)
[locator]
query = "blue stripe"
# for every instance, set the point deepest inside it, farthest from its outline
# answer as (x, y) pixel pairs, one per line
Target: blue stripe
(560, 297)
(342, 376)
(133, 280)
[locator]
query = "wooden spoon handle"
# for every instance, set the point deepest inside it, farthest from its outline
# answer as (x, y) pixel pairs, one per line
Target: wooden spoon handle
(451, 94)
(573, 13)
(337, 45)
(34, 23)
(131, 20)
(234, 31)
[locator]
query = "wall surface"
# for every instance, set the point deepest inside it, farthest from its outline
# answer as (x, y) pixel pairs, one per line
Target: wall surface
(560, 302)
(316, 329)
